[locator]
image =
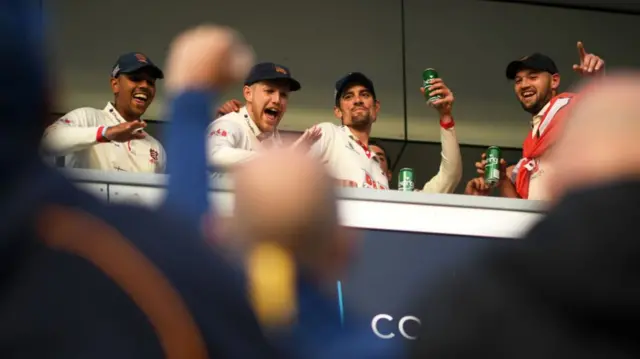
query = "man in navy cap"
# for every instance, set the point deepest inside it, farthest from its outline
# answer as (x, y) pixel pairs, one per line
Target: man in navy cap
(536, 81)
(346, 151)
(239, 136)
(113, 139)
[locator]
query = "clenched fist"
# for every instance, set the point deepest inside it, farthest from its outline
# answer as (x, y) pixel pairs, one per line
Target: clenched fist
(207, 57)
(444, 105)
(483, 162)
(477, 187)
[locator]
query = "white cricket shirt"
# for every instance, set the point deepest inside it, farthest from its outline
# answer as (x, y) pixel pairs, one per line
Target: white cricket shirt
(77, 135)
(235, 138)
(347, 159)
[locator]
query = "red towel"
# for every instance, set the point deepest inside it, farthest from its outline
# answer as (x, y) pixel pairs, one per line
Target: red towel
(535, 146)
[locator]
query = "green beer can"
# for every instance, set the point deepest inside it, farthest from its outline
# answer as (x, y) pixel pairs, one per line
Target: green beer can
(429, 74)
(405, 180)
(492, 167)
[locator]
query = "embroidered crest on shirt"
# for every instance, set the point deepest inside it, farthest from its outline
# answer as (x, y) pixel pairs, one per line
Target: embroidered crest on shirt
(154, 156)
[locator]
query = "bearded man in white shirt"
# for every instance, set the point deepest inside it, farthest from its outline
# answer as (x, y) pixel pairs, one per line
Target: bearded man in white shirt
(346, 149)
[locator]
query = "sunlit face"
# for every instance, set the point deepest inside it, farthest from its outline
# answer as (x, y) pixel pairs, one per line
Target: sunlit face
(357, 107)
(267, 102)
(382, 159)
(534, 89)
(134, 92)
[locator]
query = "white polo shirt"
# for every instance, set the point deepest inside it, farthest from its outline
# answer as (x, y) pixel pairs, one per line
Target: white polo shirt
(77, 136)
(235, 138)
(347, 159)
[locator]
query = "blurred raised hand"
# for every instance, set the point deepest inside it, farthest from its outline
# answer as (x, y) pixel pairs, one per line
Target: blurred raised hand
(207, 57)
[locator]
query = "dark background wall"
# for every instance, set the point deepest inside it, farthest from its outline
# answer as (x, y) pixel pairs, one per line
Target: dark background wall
(469, 42)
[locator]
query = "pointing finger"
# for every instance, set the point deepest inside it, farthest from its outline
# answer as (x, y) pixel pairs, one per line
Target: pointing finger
(581, 52)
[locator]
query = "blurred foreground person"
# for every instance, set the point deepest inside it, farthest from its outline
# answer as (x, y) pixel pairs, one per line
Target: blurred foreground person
(84, 280)
(287, 224)
(570, 288)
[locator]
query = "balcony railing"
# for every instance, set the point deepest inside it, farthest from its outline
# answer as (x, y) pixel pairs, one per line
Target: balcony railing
(359, 208)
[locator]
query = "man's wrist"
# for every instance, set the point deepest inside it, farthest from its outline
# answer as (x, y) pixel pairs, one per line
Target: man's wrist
(446, 121)
(101, 135)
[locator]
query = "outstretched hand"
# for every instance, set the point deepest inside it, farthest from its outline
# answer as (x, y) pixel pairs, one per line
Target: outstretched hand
(308, 138)
(590, 64)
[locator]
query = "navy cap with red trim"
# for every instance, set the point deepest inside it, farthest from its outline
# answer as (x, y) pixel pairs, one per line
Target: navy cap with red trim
(135, 61)
(266, 71)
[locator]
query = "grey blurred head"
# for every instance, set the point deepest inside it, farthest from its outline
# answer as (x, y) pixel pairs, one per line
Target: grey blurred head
(599, 142)
(289, 198)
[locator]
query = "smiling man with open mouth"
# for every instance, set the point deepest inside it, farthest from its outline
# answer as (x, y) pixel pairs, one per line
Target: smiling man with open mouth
(113, 139)
(536, 82)
(240, 135)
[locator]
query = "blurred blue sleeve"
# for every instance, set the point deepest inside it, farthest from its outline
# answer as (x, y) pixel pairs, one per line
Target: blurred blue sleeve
(188, 187)
(23, 94)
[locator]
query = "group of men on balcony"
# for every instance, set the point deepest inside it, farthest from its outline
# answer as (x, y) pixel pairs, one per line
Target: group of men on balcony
(114, 138)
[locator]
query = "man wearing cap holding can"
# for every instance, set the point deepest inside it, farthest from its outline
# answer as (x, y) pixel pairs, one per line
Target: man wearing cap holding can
(536, 82)
(113, 139)
(239, 136)
(346, 149)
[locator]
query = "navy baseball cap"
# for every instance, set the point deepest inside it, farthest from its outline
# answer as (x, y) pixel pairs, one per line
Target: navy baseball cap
(134, 61)
(352, 78)
(265, 71)
(537, 61)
